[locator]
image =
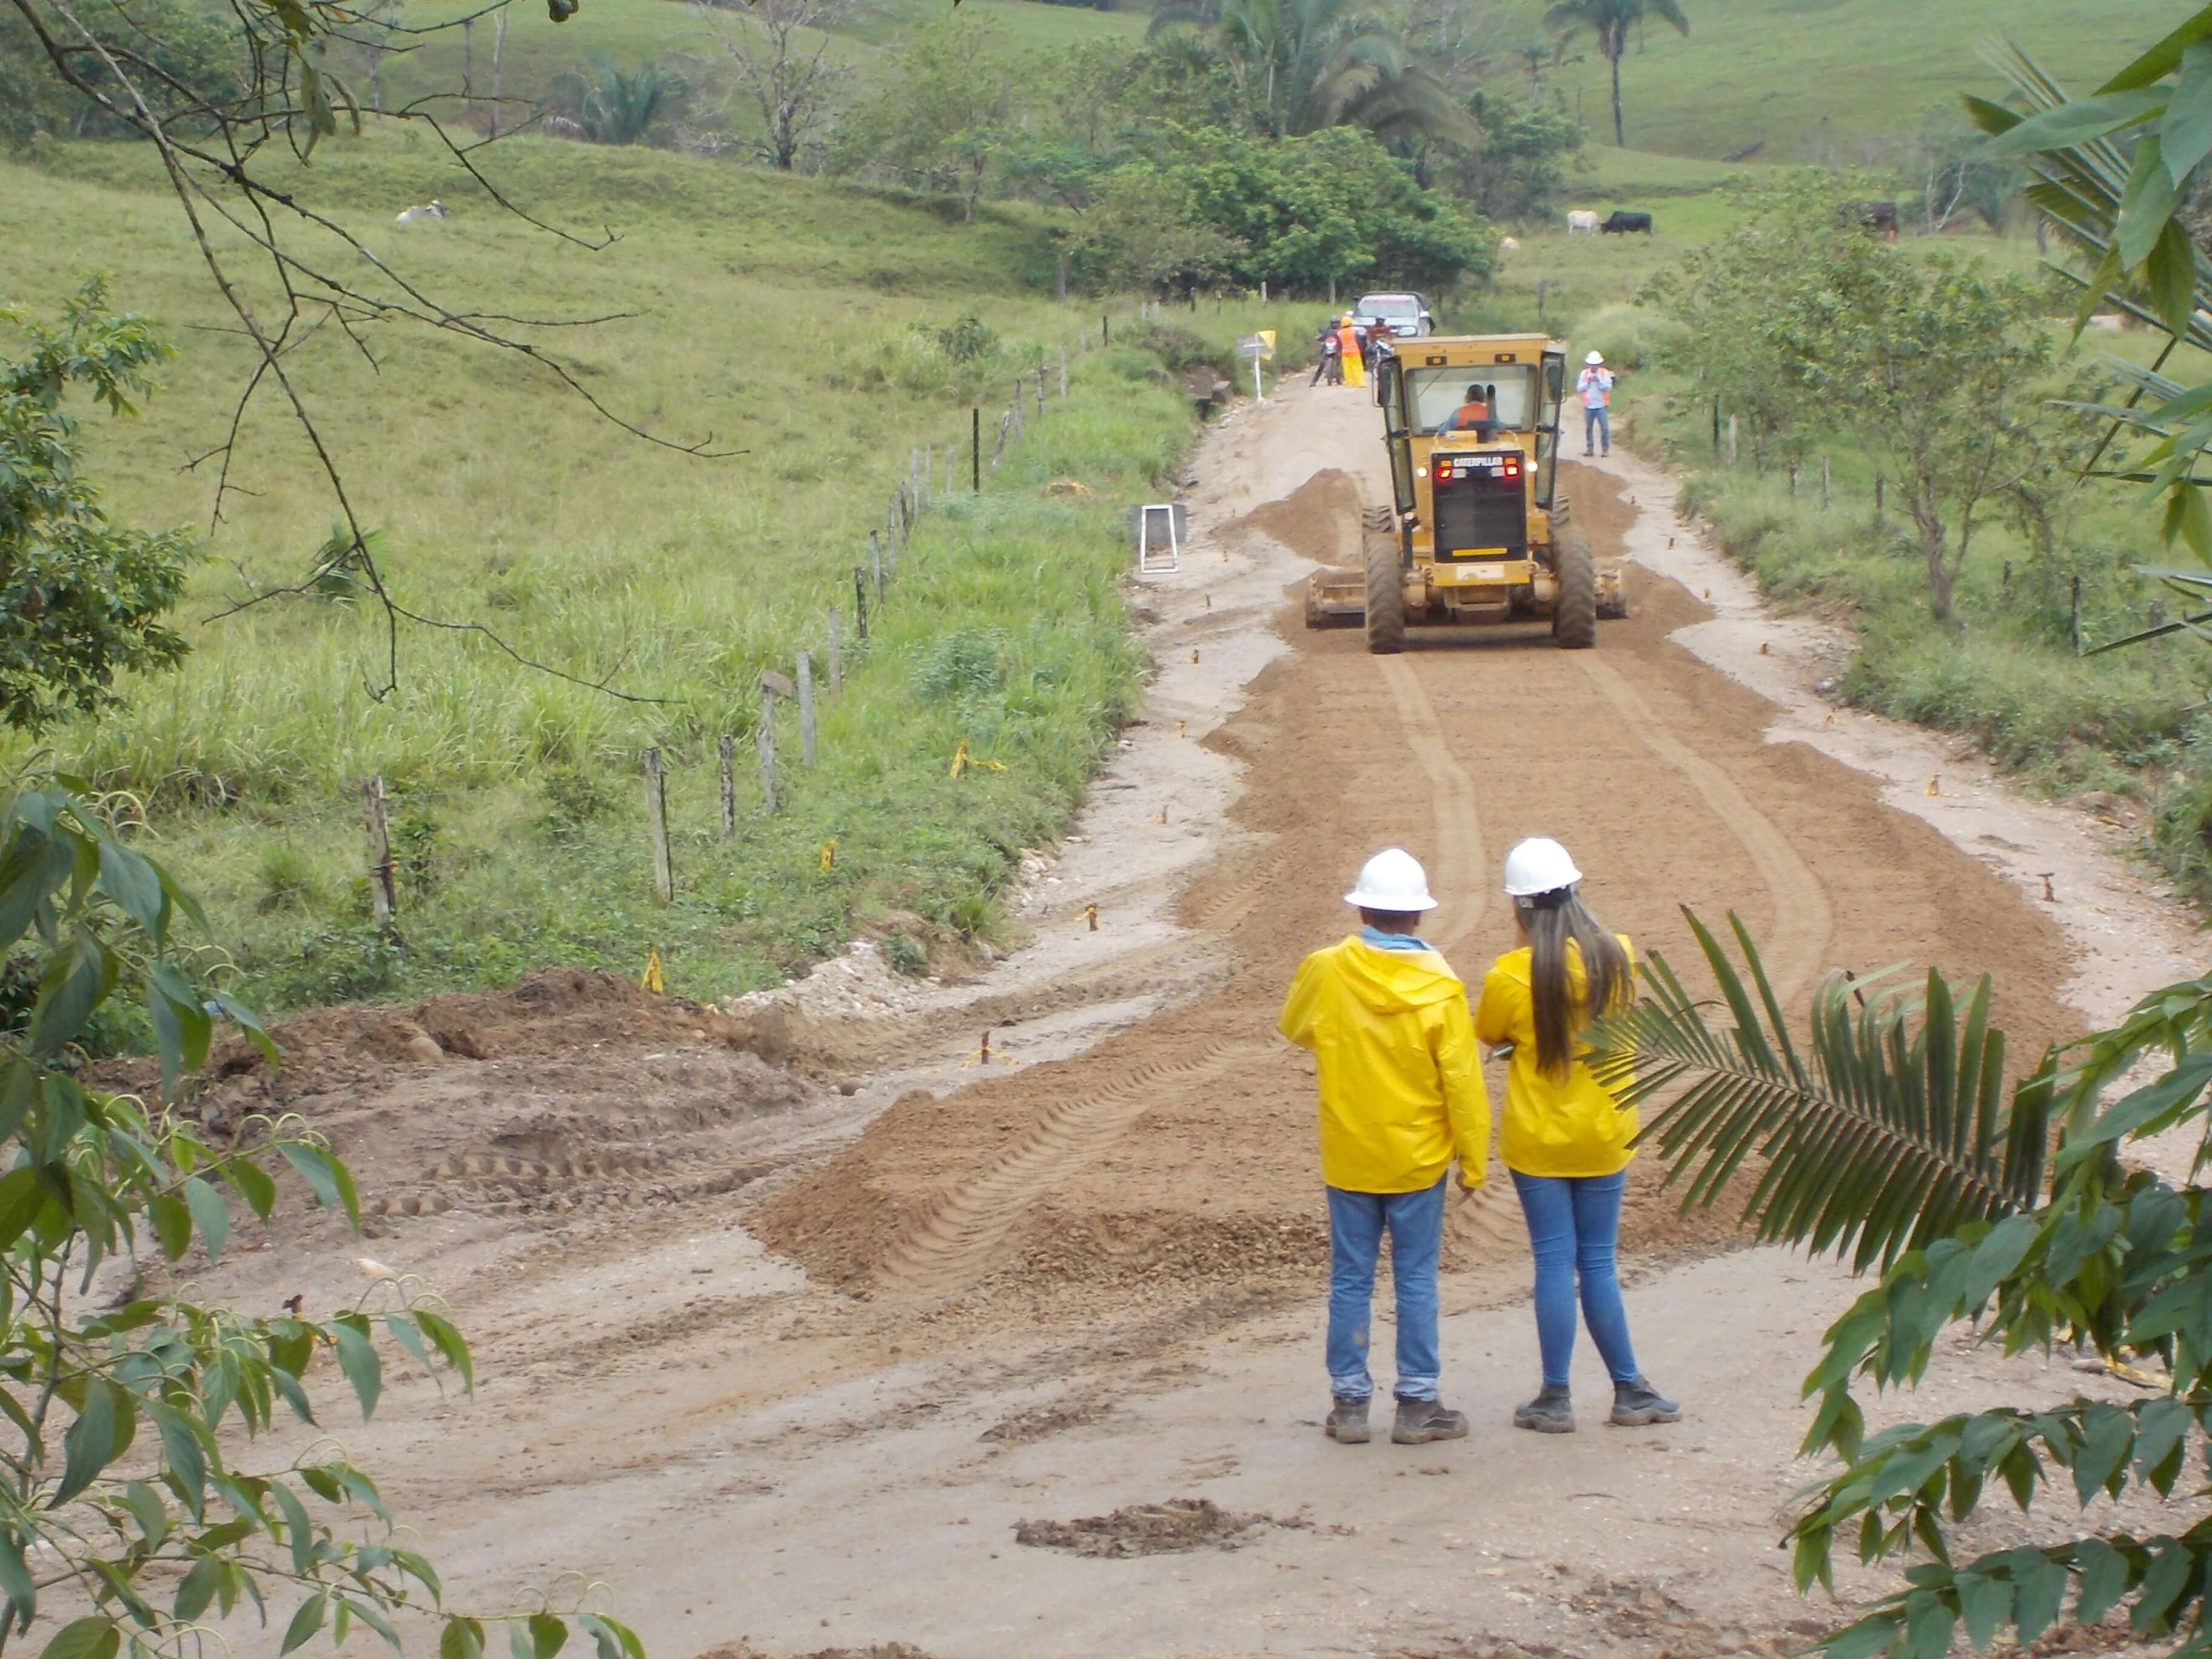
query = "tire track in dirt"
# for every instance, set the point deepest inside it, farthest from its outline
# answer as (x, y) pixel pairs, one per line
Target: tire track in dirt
(950, 1244)
(1804, 921)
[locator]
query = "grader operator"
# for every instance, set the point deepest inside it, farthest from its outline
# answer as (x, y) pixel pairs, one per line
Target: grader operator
(1477, 531)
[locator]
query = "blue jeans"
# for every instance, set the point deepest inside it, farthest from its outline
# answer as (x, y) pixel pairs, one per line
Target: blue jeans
(1597, 430)
(1574, 1223)
(1356, 1224)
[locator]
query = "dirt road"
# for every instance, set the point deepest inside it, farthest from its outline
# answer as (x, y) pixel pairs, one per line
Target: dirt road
(787, 1363)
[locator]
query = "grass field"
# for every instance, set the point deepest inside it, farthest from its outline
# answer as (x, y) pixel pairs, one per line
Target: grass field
(782, 317)
(1819, 79)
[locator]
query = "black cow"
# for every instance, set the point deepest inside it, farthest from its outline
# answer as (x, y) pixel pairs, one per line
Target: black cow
(1621, 223)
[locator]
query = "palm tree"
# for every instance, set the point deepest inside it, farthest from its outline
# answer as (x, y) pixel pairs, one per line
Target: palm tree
(1609, 20)
(1889, 1141)
(1301, 65)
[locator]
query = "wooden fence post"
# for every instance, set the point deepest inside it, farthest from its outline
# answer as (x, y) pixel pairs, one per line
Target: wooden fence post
(1793, 478)
(1019, 416)
(806, 707)
(998, 455)
(764, 741)
(860, 605)
(725, 747)
(836, 657)
(875, 566)
(1824, 484)
(1877, 503)
(928, 476)
(380, 893)
(656, 823)
(1105, 330)
(976, 447)
(1063, 371)
(1731, 442)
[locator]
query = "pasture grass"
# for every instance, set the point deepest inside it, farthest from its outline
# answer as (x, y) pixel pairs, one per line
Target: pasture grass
(1826, 81)
(792, 322)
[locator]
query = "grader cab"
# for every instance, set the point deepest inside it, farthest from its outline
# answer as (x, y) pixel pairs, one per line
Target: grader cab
(1477, 531)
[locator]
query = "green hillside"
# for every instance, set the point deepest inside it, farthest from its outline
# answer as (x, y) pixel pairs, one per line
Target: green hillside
(788, 320)
(1821, 79)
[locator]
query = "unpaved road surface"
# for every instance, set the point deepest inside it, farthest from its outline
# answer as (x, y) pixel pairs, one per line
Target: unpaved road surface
(790, 1320)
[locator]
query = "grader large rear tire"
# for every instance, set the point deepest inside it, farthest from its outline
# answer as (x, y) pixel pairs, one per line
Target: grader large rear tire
(1574, 612)
(1386, 594)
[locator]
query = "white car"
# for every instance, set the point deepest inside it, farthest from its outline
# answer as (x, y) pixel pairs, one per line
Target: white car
(1405, 315)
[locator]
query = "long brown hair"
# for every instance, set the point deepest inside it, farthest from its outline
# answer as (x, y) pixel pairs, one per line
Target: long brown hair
(1552, 921)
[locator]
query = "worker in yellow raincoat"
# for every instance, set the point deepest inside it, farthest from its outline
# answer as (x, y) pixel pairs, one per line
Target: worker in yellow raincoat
(1562, 1139)
(1401, 1095)
(1355, 360)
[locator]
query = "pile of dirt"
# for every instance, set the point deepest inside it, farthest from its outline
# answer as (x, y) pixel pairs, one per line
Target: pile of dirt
(1169, 1528)
(1312, 520)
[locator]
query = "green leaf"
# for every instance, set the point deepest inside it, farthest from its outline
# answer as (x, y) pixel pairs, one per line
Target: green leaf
(2101, 1577)
(186, 1458)
(2078, 121)
(307, 1621)
(1984, 1606)
(2146, 206)
(148, 1509)
(16, 1584)
(616, 1640)
(377, 1622)
(300, 1532)
(101, 1433)
(330, 1179)
(357, 1358)
(197, 1590)
(84, 1638)
(22, 1198)
(2107, 1433)
(2184, 136)
(253, 1185)
(78, 977)
(450, 1343)
(129, 879)
(548, 1635)
(462, 1638)
(210, 1214)
(173, 1224)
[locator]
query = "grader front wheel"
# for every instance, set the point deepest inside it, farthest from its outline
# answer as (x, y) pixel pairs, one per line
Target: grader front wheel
(1574, 612)
(1386, 591)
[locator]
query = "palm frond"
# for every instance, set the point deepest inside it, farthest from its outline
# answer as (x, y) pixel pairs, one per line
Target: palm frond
(1892, 1132)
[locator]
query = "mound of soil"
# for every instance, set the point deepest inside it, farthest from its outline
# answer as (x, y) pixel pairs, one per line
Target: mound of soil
(1312, 520)
(1179, 1524)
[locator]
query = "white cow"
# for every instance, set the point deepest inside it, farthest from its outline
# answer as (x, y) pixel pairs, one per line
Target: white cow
(2109, 322)
(414, 216)
(1581, 222)
(1510, 245)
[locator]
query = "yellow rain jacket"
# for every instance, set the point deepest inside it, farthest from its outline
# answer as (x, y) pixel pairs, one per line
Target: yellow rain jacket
(1552, 1126)
(1401, 1090)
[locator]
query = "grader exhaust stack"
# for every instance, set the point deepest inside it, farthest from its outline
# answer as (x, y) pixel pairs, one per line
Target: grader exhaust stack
(1477, 531)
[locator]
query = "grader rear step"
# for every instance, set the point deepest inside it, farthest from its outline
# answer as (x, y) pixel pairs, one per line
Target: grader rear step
(1477, 531)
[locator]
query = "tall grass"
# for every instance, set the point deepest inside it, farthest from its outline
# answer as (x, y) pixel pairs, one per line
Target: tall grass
(779, 317)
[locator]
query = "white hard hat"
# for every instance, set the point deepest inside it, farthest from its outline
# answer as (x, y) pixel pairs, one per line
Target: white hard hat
(1392, 880)
(1538, 865)
(1595, 358)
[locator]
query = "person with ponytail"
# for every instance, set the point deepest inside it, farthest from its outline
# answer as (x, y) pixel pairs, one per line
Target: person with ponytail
(1562, 1138)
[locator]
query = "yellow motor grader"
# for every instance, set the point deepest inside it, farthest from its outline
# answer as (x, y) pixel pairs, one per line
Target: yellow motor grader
(1478, 530)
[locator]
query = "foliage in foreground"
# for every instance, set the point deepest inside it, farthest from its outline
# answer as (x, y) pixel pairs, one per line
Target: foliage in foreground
(81, 598)
(1889, 1138)
(121, 1500)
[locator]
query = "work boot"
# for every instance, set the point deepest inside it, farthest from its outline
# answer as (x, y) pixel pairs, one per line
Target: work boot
(1552, 1412)
(1347, 1424)
(1421, 1421)
(1635, 1404)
